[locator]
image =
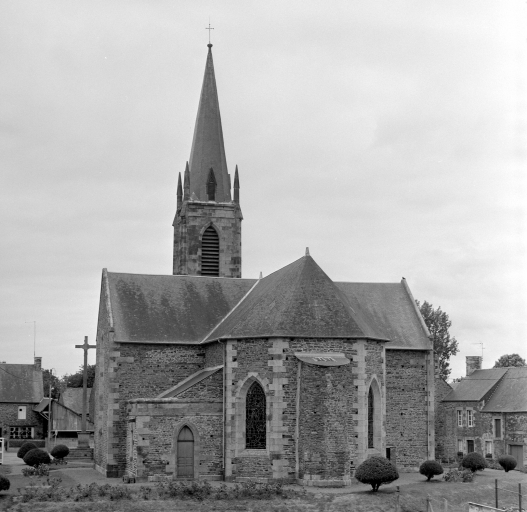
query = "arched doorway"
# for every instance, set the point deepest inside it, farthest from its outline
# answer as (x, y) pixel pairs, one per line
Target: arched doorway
(185, 453)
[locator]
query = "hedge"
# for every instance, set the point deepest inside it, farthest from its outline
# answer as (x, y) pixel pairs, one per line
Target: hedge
(376, 471)
(36, 457)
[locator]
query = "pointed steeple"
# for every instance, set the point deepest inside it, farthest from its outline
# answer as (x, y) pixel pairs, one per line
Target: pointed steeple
(208, 150)
(179, 192)
(236, 187)
(186, 184)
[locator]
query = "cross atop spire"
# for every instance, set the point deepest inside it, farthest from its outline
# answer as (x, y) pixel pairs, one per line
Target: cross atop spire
(209, 28)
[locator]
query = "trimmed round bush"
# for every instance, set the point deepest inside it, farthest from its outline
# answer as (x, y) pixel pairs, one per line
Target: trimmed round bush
(5, 484)
(36, 457)
(25, 448)
(376, 471)
(474, 461)
(507, 462)
(430, 468)
(60, 451)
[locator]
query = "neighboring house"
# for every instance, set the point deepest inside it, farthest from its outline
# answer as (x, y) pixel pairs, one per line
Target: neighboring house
(72, 398)
(487, 413)
(21, 388)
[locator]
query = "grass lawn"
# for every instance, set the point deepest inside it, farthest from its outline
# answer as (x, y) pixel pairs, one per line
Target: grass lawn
(412, 498)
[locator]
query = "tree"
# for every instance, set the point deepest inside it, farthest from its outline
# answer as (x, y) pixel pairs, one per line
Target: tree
(510, 360)
(56, 385)
(445, 346)
(74, 380)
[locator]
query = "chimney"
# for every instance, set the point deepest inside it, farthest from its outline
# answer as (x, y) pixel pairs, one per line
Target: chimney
(38, 363)
(473, 363)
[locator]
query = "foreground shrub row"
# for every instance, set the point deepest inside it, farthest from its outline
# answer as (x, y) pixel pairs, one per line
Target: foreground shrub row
(196, 490)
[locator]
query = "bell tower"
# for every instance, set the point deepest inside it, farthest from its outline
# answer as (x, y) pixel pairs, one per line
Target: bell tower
(207, 225)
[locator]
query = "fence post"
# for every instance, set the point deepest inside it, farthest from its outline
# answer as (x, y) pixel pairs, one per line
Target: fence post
(496, 492)
(520, 497)
(397, 500)
(428, 506)
(446, 505)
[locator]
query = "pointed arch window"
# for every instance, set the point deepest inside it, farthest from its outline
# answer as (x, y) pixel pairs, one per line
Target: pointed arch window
(371, 418)
(210, 253)
(255, 418)
(211, 186)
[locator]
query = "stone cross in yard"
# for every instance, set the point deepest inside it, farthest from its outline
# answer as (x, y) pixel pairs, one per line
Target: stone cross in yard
(83, 437)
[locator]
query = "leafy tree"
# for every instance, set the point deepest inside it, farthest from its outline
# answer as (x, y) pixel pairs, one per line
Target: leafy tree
(438, 324)
(510, 360)
(74, 380)
(56, 384)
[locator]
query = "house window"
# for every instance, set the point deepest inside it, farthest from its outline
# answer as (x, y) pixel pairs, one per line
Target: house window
(497, 427)
(470, 417)
(459, 418)
(470, 445)
(460, 445)
(22, 409)
(210, 253)
(488, 447)
(255, 418)
(21, 432)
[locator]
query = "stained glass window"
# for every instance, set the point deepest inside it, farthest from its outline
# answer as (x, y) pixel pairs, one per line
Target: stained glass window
(370, 418)
(255, 423)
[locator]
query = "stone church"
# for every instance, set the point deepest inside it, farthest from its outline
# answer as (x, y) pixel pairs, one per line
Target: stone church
(204, 374)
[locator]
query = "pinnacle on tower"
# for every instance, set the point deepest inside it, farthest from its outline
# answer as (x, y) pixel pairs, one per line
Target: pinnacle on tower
(236, 186)
(207, 144)
(179, 191)
(186, 184)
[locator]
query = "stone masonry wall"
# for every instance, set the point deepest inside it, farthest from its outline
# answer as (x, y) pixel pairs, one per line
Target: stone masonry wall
(134, 371)
(442, 389)
(210, 388)
(189, 224)
(332, 414)
(158, 422)
(214, 354)
(407, 406)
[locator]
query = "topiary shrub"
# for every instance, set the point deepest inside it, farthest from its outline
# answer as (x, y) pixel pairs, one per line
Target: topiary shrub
(474, 461)
(60, 451)
(36, 457)
(25, 448)
(376, 471)
(507, 462)
(430, 468)
(5, 484)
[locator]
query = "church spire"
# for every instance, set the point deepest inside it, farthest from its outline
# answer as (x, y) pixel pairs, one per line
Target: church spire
(236, 187)
(186, 184)
(208, 149)
(179, 192)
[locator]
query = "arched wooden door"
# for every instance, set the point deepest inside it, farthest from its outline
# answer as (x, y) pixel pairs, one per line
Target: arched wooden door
(185, 453)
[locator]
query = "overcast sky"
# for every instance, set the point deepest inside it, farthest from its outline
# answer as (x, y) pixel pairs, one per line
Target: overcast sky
(388, 136)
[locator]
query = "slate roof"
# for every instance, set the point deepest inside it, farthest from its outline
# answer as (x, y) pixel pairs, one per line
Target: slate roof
(299, 300)
(208, 148)
(474, 387)
(510, 394)
(170, 308)
(72, 398)
(20, 383)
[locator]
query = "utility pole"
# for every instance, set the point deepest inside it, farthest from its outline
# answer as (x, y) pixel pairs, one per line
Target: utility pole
(34, 322)
(50, 407)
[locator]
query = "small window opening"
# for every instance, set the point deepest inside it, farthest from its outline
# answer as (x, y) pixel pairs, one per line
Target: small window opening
(210, 253)
(370, 418)
(211, 186)
(255, 418)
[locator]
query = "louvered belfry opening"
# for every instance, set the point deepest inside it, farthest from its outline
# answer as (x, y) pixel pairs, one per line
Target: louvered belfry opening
(210, 253)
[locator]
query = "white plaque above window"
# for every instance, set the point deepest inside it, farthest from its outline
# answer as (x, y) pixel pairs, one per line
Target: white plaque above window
(323, 358)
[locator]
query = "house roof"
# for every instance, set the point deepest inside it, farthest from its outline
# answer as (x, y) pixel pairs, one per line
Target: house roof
(72, 398)
(208, 150)
(298, 300)
(511, 392)
(20, 383)
(476, 385)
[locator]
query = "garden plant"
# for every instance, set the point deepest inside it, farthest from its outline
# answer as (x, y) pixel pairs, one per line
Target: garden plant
(376, 471)
(430, 468)
(4, 483)
(26, 447)
(474, 461)
(37, 456)
(507, 462)
(59, 452)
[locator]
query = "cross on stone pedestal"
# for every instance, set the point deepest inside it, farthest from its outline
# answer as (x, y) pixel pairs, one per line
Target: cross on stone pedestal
(83, 438)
